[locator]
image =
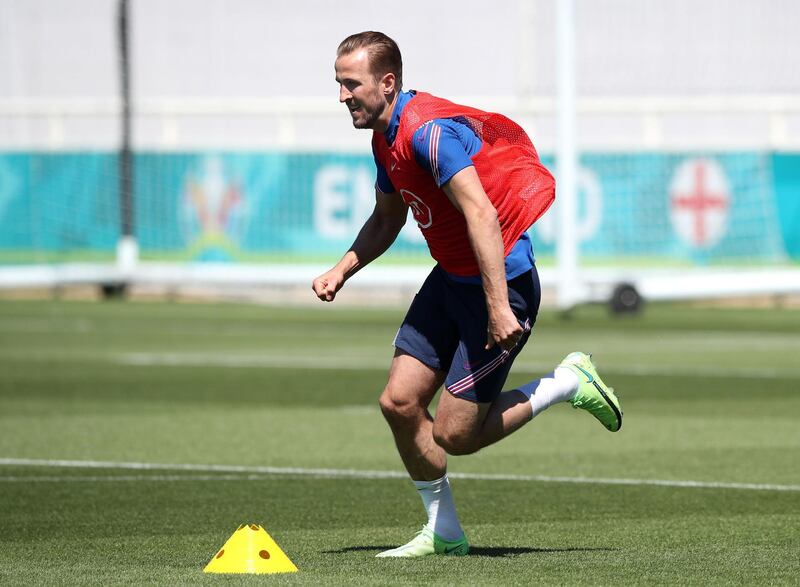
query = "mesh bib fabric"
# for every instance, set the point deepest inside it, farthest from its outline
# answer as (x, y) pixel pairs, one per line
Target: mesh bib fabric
(518, 185)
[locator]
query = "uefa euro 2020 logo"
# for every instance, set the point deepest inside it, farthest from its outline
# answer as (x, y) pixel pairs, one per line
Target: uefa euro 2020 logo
(214, 212)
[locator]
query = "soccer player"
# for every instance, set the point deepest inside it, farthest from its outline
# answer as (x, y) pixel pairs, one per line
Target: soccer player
(475, 185)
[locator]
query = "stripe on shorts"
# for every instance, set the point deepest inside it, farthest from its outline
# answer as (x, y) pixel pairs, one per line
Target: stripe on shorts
(470, 380)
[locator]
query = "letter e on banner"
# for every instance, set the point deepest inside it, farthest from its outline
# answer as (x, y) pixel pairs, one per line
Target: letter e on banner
(343, 199)
(331, 204)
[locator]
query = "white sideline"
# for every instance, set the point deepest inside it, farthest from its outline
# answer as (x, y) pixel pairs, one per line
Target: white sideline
(252, 473)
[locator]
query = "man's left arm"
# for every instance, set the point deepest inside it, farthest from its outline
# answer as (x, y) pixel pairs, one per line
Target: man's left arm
(466, 193)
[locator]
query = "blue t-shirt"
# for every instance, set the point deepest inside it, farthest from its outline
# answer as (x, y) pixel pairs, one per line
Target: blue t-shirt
(443, 147)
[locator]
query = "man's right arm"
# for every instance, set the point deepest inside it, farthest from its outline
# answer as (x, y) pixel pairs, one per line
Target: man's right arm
(378, 233)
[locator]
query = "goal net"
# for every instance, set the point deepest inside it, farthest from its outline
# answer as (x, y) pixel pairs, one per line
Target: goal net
(675, 116)
(686, 139)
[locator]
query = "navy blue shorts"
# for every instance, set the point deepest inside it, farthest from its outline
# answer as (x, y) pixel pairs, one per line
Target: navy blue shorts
(445, 329)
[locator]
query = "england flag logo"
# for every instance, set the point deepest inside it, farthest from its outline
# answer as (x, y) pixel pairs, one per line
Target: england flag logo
(700, 200)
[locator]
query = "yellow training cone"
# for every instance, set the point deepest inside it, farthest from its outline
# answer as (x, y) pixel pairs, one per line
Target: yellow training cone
(250, 550)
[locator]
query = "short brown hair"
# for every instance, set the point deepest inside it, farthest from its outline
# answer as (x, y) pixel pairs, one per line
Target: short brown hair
(383, 52)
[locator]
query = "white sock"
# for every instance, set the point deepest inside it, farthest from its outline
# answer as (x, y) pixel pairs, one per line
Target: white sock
(438, 502)
(561, 386)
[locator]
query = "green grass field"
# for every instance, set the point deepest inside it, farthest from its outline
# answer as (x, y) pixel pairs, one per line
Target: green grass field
(710, 396)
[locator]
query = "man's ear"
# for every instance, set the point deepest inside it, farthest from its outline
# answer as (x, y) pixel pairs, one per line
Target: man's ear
(388, 84)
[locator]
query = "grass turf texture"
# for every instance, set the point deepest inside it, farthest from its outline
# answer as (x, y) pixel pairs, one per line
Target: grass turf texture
(709, 395)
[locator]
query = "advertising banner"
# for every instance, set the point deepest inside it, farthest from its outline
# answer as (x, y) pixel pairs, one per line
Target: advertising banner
(244, 206)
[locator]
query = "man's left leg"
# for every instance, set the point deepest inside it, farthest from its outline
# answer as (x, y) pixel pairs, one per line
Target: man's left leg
(474, 413)
(463, 427)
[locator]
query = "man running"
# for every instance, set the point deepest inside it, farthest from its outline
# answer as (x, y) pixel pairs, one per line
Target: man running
(475, 185)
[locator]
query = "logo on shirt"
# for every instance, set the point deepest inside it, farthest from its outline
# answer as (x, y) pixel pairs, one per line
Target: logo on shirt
(422, 132)
(420, 210)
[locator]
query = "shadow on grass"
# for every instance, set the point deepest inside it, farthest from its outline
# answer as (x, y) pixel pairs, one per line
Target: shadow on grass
(488, 551)
(509, 551)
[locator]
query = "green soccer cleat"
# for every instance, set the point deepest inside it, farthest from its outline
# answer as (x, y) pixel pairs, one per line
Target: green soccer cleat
(427, 542)
(593, 395)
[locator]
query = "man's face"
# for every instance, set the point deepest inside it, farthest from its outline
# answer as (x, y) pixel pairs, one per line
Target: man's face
(360, 91)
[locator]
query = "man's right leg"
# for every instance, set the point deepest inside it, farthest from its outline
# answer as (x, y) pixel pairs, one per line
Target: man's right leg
(411, 387)
(404, 402)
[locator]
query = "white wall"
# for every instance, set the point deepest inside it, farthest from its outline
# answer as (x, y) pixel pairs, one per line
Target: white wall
(269, 60)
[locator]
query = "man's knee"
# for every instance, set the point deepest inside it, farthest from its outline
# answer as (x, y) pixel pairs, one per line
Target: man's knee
(397, 408)
(454, 442)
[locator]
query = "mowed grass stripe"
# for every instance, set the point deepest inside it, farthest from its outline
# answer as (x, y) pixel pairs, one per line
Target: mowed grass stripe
(259, 473)
(306, 362)
(272, 360)
(666, 339)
